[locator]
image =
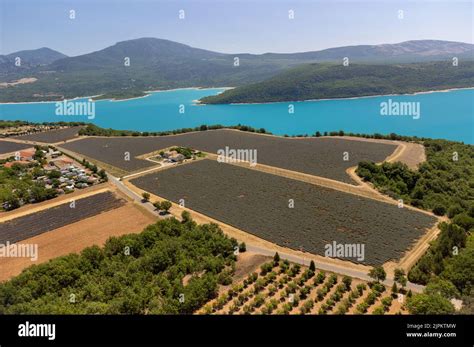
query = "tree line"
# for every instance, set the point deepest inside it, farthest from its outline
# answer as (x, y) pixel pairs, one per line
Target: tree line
(171, 267)
(443, 184)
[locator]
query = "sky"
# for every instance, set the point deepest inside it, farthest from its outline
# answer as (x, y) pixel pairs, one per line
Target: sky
(230, 26)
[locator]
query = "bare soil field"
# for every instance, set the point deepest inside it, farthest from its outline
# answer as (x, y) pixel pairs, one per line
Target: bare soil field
(247, 263)
(10, 146)
(76, 236)
(33, 224)
(409, 153)
(259, 203)
(51, 136)
(315, 156)
(16, 82)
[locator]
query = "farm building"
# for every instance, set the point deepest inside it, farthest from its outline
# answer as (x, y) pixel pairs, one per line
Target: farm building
(19, 162)
(27, 154)
(63, 164)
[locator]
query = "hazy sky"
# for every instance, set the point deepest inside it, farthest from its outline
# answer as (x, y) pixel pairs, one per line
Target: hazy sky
(230, 26)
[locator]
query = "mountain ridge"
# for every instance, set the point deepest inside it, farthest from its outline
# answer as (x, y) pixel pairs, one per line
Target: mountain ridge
(164, 64)
(31, 57)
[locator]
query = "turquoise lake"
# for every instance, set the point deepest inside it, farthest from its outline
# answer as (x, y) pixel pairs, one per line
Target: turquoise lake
(448, 115)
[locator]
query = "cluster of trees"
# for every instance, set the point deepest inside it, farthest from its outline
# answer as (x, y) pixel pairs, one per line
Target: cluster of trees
(186, 151)
(443, 184)
(102, 174)
(94, 130)
(17, 186)
(391, 136)
(4, 124)
(329, 80)
(133, 274)
(165, 207)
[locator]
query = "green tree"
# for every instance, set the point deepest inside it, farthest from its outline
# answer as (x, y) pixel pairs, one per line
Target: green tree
(146, 196)
(378, 273)
(459, 270)
(399, 277)
(347, 281)
(429, 304)
(166, 205)
(186, 216)
(312, 266)
(54, 174)
(102, 174)
(394, 288)
(442, 287)
(276, 258)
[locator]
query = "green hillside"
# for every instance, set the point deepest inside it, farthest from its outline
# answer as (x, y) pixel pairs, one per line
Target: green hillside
(325, 81)
(163, 64)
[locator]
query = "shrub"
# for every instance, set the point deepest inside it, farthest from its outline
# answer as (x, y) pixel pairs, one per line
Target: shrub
(378, 273)
(307, 306)
(146, 196)
(370, 299)
(378, 287)
(439, 210)
(291, 287)
(185, 216)
(295, 269)
(387, 301)
(276, 259)
(347, 282)
(320, 277)
(265, 268)
(304, 292)
(165, 206)
(323, 309)
(379, 310)
(362, 307)
(312, 266)
(342, 308)
(321, 293)
(259, 300)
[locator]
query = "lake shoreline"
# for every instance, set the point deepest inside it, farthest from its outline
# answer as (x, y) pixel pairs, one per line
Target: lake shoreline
(198, 103)
(351, 98)
(148, 93)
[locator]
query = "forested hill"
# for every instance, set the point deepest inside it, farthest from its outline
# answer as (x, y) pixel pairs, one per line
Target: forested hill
(325, 81)
(129, 68)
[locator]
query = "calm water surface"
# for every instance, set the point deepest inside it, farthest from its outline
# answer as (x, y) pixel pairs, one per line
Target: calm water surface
(448, 115)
